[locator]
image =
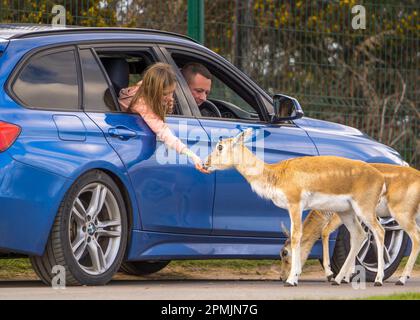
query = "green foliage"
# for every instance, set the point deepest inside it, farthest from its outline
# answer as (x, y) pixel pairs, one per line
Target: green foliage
(366, 78)
(399, 296)
(85, 13)
(224, 263)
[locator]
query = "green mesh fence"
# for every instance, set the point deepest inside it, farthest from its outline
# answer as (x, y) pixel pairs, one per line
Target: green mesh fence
(366, 78)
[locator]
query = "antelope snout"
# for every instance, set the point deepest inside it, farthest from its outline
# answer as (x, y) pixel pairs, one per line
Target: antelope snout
(207, 164)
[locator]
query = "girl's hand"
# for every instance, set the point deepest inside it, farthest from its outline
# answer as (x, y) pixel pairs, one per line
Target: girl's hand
(200, 168)
(196, 160)
(169, 104)
(199, 165)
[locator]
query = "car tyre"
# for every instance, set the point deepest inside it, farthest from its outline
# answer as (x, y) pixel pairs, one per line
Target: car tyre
(396, 241)
(89, 235)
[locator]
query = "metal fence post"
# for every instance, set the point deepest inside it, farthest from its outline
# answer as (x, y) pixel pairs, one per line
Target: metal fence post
(196, 20)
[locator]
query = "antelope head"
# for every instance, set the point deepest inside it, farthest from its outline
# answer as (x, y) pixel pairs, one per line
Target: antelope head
(226, 154)
(285, 256)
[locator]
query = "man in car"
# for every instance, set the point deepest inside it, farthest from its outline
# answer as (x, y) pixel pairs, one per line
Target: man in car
(198, 78)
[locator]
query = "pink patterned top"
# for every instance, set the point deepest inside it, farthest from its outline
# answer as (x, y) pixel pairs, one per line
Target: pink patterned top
(158, 126)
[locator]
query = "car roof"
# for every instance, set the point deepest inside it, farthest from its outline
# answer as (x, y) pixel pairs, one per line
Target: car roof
(21, 31)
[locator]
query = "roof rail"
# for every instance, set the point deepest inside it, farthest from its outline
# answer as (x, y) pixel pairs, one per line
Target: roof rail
(35, 30)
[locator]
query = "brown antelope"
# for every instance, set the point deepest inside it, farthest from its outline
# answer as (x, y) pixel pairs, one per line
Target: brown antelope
(350, 187)
(401, 202)
(317, 224)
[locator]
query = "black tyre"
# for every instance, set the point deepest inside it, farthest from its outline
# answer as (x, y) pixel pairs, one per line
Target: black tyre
(89, 234)
(142, 268)
(396, 241)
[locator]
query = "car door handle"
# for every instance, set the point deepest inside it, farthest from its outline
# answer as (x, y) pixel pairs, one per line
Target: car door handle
(122, 133)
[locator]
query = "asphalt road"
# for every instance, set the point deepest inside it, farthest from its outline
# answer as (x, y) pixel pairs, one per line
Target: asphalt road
(309, 288)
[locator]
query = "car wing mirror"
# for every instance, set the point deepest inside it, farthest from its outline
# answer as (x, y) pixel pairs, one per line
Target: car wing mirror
(286, 108)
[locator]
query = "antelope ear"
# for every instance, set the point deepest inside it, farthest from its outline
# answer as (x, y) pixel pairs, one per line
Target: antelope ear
(243, 136)
(285, 230)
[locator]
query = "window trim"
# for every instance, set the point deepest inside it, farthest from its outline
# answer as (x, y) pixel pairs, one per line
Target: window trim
(116, 48)
(26, 60)
(150, 48)
(168, 50)
(107, 80)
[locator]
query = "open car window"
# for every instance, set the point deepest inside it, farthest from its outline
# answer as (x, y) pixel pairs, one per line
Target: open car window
(230, 97)
(230, 103)
(125, 69)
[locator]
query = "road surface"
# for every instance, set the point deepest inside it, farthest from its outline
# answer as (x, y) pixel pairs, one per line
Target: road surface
(203, 289)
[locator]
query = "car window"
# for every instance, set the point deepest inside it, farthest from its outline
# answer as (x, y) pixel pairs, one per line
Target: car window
(96, 93)
(49, 81)
(227, 93)
(221, 91)
(125, 68)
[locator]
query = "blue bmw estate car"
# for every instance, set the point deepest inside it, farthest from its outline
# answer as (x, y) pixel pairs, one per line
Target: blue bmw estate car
(83, 184)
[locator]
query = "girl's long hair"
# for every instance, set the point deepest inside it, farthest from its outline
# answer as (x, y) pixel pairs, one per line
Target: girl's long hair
(156, 79)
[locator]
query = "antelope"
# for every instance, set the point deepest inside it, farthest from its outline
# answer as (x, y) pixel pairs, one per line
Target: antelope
(350, 187)
(317, 224)
(401, 202)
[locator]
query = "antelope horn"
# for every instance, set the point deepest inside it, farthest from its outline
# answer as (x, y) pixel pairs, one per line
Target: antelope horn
(285, 230)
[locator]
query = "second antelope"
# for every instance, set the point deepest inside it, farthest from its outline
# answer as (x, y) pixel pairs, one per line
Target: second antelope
(349, 187)
(401, 202)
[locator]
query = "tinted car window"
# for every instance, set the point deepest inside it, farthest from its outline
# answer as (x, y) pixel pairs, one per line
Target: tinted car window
(97, 95)
(49, 81)
(227, 92)
(221, 91)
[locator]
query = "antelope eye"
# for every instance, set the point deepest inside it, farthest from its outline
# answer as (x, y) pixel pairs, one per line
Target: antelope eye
(220, 147)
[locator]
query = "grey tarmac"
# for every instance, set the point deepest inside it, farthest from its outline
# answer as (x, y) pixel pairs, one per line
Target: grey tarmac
(202, 289)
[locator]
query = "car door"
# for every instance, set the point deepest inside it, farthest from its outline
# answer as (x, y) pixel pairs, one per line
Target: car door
(172, 196)
(238, 211)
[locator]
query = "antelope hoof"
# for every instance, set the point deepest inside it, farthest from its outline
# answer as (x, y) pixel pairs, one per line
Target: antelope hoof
(378, 284)
(288, 284)
(330, 278)
(399, 283)
(335, 283)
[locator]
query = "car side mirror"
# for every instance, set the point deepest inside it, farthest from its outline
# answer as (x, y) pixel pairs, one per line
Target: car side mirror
(286, 108)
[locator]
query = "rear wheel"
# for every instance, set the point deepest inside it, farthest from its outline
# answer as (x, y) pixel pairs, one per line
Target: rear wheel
(142, 268)
(395, 245)
(89, 235)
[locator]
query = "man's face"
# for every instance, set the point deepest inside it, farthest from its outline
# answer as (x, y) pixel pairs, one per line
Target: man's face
(200, 88)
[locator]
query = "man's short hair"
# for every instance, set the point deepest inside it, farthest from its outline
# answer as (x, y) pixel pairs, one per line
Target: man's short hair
(191, 69)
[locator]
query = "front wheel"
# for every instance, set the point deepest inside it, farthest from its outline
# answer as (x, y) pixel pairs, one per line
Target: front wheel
(89, 235)
(395, 245)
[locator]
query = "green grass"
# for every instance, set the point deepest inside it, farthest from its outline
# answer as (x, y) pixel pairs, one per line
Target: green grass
(15, 265)
(24, 264)
(15, 268)
(404, 262)
(224, 263)
(11, 267)
(399, 296)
